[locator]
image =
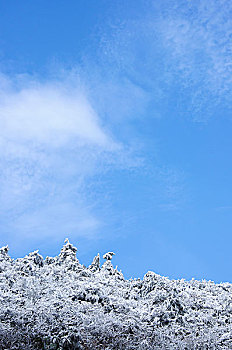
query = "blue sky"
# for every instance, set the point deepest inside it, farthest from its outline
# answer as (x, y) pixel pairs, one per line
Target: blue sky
(115, 131)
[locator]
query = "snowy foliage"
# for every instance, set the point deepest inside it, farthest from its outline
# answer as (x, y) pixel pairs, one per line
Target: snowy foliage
(57, 303)
(108, 256)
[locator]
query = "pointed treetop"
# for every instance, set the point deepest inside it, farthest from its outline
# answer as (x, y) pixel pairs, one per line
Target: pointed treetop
(95, 266)
(68, 251)
(68, 246)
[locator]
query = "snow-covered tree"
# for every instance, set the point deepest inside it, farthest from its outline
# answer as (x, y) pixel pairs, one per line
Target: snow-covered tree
(57, 303)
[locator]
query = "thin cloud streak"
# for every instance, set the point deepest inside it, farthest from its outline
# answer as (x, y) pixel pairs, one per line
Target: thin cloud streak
(178, 49)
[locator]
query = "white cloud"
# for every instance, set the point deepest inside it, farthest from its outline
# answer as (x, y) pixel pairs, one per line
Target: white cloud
(51, 142)
(50, 115)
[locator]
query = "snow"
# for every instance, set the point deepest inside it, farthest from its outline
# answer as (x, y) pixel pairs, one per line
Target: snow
(58, 303)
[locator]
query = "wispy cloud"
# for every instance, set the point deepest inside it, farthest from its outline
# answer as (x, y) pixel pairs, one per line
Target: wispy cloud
(51, 142)
(49, 114)
(56, 134)
(180, 52)
(198, 39)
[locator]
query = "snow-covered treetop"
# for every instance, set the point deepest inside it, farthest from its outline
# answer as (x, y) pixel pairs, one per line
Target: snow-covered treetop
(57, 303)
(108, 256)
(68, 252)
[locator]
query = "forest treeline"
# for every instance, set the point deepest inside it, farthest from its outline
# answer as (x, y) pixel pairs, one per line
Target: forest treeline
(58, 303)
